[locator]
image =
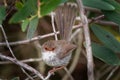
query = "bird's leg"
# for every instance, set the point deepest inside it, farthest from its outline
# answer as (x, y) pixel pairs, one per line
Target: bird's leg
(56, 69)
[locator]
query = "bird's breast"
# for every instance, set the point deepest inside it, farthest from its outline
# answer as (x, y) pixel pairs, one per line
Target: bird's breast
(51, 59)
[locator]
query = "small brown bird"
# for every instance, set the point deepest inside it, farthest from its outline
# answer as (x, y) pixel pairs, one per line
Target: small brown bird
(58, 53)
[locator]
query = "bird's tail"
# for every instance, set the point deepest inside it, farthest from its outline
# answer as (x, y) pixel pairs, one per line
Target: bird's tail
(64, 17)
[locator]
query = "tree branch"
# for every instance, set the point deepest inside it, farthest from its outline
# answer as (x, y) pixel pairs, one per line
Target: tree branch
(87, 41)
(23, 65)
(23, 61)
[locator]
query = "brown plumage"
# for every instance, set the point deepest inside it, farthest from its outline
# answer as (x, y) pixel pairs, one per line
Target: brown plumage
(58, 53)
(64, 18)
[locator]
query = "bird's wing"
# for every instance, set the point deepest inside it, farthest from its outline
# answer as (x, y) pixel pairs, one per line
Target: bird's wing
(66, 50)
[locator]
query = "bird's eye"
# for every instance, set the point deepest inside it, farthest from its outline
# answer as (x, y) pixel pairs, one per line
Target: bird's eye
(52, 49)
(46, 48)
(49, 49)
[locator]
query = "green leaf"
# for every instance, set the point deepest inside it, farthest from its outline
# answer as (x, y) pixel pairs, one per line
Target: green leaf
(112, 16)
(24, 25)
(105, 54)
(18, 5)
(28, 9)
(23, 1)
(49, 5)
(32, 27)
(98, 4)
(2, 13)
(16, 78)
(114, 3)
(106, 38)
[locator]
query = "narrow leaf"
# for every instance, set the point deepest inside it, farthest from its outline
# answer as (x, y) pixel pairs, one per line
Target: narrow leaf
(105, 54)
(2, 13)
(28, 9)
(106, 38)
(115, 4)
(112, 16)
(49, 5)
(18, 5)
(98, 4)
(32, 27)
(24, 25)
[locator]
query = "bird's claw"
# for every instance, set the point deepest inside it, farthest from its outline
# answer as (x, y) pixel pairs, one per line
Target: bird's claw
(51, 72)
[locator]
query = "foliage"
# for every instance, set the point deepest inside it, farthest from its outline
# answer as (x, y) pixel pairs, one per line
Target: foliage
(29, 12)
(2, 14)
(105, 54)
(98, 3)
(106, 38)
(110, 45)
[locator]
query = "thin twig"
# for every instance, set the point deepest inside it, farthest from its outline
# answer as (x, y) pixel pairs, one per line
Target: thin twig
(5, 3)
(77, 52)
(98, 21)
(41, 64)
(68, 73)
(53, 25)
(105, 71)
(38, 11)
(28, 41)
(35, 38)
(23, 61)
(26, 74)
(87, 40)
(48, 76)
(74, 34)
(25, 66)
(106, 23)
(6, 40)
(10, 8)
(111, 73)
(89, 52)
(96, 18)
(52, 34)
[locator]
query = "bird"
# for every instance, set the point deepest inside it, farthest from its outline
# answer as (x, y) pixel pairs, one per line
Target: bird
(57, 53)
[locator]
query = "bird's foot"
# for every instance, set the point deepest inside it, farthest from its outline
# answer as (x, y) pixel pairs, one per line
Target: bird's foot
(52, 71)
